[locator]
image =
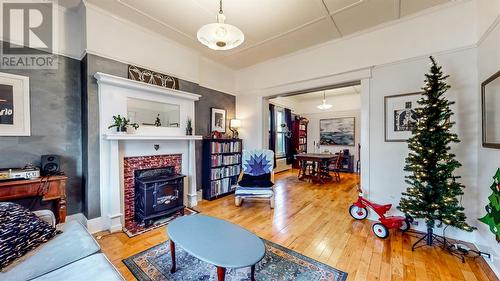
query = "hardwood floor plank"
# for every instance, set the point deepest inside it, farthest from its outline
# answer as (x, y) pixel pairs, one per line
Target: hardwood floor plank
(313, 220)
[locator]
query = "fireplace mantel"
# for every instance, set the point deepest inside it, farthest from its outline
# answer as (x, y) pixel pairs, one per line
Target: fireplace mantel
(149, 137)
(113, 94)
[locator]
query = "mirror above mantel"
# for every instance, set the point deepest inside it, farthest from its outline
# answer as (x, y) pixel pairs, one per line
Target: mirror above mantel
(158, 111)
(152, 113)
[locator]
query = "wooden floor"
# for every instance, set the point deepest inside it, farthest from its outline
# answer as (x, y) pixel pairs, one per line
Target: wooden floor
(313, 220)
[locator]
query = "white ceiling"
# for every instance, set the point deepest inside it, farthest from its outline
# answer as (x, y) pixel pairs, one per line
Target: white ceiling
(272, 27)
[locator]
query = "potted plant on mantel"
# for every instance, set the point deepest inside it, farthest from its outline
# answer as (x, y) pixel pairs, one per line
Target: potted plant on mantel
(122, 124)
(189, 127)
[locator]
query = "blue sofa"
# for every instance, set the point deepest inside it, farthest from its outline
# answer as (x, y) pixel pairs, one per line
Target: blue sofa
(73, 255)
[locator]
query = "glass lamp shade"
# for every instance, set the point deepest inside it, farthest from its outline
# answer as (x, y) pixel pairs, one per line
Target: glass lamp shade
(220, 35)
(235, 123)
(324, 105)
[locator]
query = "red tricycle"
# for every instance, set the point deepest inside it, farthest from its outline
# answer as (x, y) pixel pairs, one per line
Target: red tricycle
(359, 211)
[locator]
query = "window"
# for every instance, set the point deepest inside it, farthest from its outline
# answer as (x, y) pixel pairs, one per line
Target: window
(280, 133)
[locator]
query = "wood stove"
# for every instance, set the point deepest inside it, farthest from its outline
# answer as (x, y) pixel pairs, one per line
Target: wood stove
(159, 192)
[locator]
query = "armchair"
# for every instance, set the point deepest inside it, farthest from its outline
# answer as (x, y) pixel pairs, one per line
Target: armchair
(256, 181)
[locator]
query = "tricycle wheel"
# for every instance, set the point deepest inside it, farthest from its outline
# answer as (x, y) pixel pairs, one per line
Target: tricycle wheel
(405, 225)
(358, 213)
(380, 230)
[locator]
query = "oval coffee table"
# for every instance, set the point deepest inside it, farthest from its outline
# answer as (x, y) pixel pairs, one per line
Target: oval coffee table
(216, 242)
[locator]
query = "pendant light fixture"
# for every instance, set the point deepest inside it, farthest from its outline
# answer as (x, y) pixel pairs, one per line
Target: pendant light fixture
(324, 105)
(220, 35)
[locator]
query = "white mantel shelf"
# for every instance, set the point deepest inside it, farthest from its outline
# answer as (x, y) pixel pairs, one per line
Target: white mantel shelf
(144, 87)
(148, 137)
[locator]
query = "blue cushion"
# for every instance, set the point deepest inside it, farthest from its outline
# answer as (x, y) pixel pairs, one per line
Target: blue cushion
(95, 268)
(73, 244)
(254, 191)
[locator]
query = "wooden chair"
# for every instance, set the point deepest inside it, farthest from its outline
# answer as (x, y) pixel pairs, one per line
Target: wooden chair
(264, 160)
(335, 167)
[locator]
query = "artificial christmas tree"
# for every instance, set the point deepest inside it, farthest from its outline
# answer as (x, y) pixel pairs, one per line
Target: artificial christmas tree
(433, 192)
(492, 217)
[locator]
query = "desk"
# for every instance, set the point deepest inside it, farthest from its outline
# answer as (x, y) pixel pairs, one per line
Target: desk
(320, 163)
(49, 188)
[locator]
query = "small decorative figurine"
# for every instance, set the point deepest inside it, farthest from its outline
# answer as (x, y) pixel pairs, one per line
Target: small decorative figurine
(158, 121)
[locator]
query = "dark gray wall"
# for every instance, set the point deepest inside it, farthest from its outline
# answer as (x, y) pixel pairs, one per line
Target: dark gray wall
(90, 126)
(55, 125)
(209, 98)
(90, 122)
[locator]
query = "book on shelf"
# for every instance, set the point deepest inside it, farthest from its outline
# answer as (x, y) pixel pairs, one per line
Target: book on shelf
(224, 172)
(225, 147)
(222, 186)
(222, 160)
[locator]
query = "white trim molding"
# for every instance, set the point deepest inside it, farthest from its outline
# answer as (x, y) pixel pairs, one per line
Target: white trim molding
(114, 92)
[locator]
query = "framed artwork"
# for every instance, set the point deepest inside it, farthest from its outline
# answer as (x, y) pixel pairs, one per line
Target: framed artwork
(490, 107)
(399, 116)
(14, 105)
(218, 120)
(337, 131)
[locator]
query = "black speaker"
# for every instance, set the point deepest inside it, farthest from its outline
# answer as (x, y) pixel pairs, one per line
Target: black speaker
(51, 164)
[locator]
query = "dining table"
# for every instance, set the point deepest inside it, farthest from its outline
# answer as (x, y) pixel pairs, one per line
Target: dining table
(315, 166)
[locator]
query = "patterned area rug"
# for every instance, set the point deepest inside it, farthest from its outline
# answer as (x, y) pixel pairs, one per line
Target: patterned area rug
(279, 264)
(137, 228)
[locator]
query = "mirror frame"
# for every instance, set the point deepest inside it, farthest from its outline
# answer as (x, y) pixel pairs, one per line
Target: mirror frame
(483, 110)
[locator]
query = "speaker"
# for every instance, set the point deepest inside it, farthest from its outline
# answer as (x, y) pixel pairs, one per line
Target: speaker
(51, 164)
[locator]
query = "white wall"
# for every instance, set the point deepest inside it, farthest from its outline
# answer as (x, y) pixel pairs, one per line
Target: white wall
(119, 39)
(488, 159)
(313, 132)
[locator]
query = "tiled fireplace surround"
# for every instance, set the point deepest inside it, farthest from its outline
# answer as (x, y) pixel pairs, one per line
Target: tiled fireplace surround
(130, 165)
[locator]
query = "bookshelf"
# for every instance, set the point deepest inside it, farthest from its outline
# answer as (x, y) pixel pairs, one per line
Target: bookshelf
(221, 166)
(299, 137)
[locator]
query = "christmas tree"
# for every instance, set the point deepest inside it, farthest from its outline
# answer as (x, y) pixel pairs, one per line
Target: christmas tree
(433, 194)
(492, 217)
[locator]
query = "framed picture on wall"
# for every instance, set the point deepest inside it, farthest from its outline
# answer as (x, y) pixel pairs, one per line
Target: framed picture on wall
(399, 116)
(218, 120)
(14, 105)
(337, 131)
(490, 105)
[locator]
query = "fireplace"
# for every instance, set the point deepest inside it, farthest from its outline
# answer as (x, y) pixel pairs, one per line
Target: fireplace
(158, 193)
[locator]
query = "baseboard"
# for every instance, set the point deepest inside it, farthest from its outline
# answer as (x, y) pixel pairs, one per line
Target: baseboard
(79, 217)
(92, 225)
(494, 261)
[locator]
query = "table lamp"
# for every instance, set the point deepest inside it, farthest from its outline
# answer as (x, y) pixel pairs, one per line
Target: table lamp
(234, 125)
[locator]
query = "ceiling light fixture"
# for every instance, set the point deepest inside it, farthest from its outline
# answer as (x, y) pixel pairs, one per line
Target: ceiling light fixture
(220, 35)
(324, 105)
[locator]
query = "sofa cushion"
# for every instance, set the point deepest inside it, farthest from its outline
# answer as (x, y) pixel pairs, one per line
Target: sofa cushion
(95, 267)
(73, 244)
(20, 232)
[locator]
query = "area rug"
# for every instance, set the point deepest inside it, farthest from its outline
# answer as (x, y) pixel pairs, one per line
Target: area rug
(279, 264)
(136, 228)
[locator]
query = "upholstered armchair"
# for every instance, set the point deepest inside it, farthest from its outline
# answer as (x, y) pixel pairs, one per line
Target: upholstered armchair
(256, 181)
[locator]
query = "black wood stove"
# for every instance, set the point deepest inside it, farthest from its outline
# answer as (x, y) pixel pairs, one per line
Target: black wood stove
(159, 192)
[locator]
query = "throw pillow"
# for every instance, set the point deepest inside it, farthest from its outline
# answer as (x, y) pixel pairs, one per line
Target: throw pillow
(263, 180)
(20, 232)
